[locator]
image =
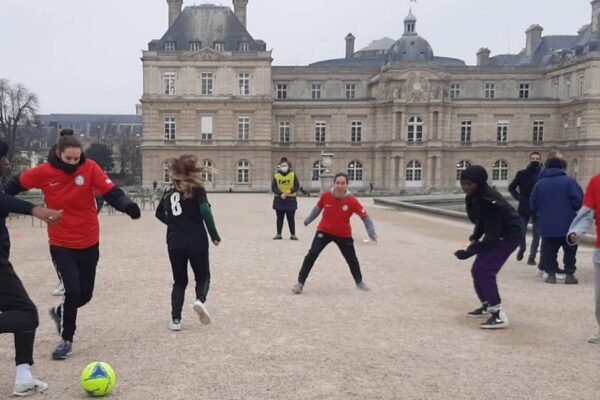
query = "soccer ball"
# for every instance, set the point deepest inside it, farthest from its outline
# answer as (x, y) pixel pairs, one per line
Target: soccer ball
(98, 379)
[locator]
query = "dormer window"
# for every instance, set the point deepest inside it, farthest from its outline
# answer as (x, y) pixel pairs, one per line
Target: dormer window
(219, 46)
(169, 46)
(243, 46)
(195, 45)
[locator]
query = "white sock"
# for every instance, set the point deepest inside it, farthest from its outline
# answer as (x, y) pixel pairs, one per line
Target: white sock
(23, 373)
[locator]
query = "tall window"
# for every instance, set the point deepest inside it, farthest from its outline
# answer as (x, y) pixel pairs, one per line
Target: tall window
(169, 46)
(206, 128)
(414, 172)
(169, 78)
(282, 91)
(166, 172)
(465, 132)
(317, 170)
(284, 131)
(243, 171)
(195, 45)
(219, 46)
(538, 131)
(208, 167)
(243, 128)
(489, 91)
(244, 83)
(350, 91)
(320, 131)
(415, 130)
(315, 91)
(170, 128)
(502, 132)
(556, 87)
(568, 85)
(581, 86)
(454, 91)
(243, 46)
(356, 131)
(523, 90)
(460, 167)
(355, 171)
(500, 171)
(207, 83)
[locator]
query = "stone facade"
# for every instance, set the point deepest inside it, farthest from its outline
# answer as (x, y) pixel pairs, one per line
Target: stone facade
(397, 121)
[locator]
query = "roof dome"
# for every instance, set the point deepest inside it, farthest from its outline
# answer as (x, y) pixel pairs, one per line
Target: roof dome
(410, 47)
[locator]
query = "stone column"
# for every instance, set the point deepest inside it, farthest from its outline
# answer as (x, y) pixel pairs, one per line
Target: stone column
(326, 176)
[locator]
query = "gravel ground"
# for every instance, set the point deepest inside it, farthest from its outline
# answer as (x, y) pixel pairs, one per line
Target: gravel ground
(408, 338)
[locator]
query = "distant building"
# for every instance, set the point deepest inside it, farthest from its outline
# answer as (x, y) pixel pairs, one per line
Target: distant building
(396, 115)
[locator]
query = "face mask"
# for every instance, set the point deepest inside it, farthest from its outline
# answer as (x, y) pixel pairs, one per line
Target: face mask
(534, 165)
(284, 169)
(68, 168)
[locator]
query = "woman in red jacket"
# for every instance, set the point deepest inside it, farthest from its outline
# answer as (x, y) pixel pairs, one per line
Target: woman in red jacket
(69, 182)
(338, 205)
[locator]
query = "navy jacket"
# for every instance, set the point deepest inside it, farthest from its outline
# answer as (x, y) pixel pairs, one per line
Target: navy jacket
(555, 200)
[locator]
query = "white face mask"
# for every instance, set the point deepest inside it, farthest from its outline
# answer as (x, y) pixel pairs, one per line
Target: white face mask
(284, 169)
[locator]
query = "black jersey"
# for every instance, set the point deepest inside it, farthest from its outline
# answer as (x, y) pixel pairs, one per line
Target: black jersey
(185, 225)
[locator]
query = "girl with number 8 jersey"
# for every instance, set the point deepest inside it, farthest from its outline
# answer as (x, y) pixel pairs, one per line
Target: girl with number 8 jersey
(184, 208)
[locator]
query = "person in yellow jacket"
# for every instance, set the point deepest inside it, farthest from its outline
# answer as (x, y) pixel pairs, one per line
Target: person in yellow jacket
(285, 185)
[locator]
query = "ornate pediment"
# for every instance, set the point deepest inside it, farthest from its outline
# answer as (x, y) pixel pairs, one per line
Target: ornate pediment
(205, 54)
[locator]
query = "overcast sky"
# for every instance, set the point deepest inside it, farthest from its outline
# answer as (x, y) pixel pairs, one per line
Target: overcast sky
(83, 56)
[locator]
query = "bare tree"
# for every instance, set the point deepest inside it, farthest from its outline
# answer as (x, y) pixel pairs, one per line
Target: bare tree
(18, 107)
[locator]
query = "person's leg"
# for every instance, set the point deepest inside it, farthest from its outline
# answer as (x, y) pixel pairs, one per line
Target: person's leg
(66, 263)
(280, 215)
(179, 262)
(550, 249)
(346, 246)
(569, 257)
(290, 214)
(522, 243)
(319, 242)
(200, 266)
(535, 241)
(87, 260)
(485, 269)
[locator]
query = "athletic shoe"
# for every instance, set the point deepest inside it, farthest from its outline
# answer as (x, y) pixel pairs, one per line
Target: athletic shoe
(202, 312)
(480, 312)
(595, 339)
(277, 237)
(550, 279)
(531, 260)
(571, 280)
(293, 237)
(497, 320)
(298, 287)
(55, 318)
(560, 277)
(59, 290)
(22, 389)
(540, 273)
(63, 350)
(520, 255)
(175, 325)
(362, 286)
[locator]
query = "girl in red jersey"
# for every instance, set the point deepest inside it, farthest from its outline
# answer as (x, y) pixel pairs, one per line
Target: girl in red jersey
(338, 205)
(69, 182)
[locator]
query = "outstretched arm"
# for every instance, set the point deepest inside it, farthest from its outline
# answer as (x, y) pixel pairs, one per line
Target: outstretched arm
(370, 228)
(209, 222)
(313, 215)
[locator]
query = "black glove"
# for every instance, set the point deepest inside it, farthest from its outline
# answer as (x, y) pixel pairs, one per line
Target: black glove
(133, 210)
(462, 254)
(474, 238)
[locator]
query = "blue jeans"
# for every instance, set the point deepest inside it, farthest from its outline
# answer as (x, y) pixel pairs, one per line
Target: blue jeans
(535, 242)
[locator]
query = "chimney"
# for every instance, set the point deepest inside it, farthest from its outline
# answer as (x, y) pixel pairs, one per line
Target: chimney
(595, 16)
(174, 10)
(534, 37)
(350, 45)
(483, 57)
(239, 9)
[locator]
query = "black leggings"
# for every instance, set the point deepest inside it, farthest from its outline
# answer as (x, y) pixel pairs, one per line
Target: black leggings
(77, 271)
(179, 262)
(18, 314)
(290, 219)
(321, 240)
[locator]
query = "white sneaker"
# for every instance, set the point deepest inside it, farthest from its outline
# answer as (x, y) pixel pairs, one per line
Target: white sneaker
(29, 388)
(595, 339)
(202, 312)
(59, 290)
(540, 273)
(175, 325)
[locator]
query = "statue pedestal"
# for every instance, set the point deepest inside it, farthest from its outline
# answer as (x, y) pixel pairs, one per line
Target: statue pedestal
(326, 181)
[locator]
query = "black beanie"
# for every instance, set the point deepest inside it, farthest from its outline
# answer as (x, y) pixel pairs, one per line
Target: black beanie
(555, 163)
(3, 148)
(476, 174)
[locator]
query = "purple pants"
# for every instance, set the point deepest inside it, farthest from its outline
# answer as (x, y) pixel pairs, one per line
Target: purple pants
(485, 268)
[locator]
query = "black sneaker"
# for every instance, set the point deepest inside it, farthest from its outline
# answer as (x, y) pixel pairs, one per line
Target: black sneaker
(479, 312)
(550, 279)
(497, 320)
(63, 350)
(520, 255)
(571, 280)
(531, 260)
(55, 318)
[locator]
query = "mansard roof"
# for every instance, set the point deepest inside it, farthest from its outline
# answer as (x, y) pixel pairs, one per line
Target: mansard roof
(207, 24)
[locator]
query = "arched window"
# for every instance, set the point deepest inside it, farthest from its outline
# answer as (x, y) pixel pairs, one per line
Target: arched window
(243, 171)
(317, 170)
(415, 130)
(500, 171)
(355, 171)
(166, 172)
(460, 167)
(208, 175)
(414, 172)
(574, 168)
